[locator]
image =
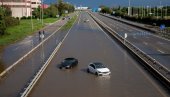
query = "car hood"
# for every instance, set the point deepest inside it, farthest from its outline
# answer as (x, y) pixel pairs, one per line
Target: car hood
(103, 70)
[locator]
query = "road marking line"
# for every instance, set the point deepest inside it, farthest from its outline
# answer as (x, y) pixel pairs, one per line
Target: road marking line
(79, 18)
(145, 43)
(160, 51)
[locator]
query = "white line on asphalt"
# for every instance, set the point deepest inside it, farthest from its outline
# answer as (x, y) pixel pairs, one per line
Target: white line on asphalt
(160, 51)
(79, 18)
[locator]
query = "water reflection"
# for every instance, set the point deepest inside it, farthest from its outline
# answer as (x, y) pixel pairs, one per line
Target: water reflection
(1, 66)
(1, 62)
(103, 81)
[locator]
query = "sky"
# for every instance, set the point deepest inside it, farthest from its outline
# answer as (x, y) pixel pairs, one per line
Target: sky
(112, 3)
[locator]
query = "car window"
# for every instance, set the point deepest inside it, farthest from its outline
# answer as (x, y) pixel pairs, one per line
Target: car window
(92, 66)
(99, 65)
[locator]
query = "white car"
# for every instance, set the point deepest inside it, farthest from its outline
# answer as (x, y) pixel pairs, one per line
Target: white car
(86, 20)
(98, 69)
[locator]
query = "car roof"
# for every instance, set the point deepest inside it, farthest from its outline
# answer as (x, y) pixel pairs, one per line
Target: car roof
(70, 60)
(98, 65)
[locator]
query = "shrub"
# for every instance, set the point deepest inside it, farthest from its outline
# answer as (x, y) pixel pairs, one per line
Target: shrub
(24, 17)
(11, 21)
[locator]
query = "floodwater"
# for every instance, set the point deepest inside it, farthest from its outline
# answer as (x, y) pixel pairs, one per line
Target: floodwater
(88, 43)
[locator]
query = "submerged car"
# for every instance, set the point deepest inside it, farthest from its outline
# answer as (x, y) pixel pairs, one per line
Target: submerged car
(86, 20)
(68, 63)
(98, 69)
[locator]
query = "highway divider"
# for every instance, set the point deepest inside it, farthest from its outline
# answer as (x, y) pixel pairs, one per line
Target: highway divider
(160, 72)
(30, 52)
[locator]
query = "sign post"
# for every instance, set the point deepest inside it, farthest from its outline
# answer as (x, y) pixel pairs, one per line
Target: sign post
(162, 27)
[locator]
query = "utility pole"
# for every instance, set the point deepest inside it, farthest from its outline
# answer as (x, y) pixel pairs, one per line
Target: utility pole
(161, 8)
(32, 26)
(157, 12)
(166, 12)
(129, 9)
(42, 11)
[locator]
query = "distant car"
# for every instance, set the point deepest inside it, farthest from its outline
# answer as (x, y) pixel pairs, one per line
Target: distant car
(86, 20)
(98, 69)
(68, 63)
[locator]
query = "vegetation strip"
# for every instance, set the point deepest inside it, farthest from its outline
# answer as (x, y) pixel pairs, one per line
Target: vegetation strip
(22, 30)
(69, 23)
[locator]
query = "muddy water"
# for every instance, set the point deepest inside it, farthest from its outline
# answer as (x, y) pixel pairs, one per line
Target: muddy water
(88, 43)
(1, 61)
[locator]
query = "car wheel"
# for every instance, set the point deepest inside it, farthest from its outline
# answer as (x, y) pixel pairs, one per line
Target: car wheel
(60, 67)
(88, 71)
(96, 73)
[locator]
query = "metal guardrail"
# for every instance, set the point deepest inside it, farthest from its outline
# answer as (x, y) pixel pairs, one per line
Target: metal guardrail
(151, 62)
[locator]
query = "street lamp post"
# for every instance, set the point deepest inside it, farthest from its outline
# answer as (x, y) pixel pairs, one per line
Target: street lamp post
(42, 12)
(32, 25)
(129, 9)
(166, 15)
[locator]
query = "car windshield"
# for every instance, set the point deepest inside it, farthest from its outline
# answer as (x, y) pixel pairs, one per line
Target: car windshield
(99, 65)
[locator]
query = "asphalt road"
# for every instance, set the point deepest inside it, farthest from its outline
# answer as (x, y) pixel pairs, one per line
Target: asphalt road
(88, 43)
(16, 80)
(153, 45)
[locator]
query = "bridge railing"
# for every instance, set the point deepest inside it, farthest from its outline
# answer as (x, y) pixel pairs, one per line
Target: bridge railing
(160, 71)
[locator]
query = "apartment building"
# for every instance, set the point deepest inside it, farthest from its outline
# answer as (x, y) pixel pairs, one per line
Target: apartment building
(21, 8)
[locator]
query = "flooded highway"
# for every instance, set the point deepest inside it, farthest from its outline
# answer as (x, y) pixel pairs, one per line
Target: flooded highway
(88, 43)
(14, 82)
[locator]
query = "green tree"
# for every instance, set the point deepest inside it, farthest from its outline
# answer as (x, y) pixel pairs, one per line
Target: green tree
(105, 9)
(60, 6)
(53, 11)
(36, 13)
(2, 21)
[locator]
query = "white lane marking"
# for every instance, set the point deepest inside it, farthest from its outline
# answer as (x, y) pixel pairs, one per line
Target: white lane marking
(160, 91)
(149, 33)
(79, 18)
(160, 51)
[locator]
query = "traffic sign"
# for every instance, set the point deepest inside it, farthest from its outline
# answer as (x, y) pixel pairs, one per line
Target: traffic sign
(125, 35)
(162, 27)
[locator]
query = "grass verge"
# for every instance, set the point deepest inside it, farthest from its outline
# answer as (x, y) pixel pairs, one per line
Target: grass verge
(69, 23)
(22, 30)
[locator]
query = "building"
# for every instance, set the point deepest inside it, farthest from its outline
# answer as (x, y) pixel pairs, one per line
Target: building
(81, 8)
(21, 8)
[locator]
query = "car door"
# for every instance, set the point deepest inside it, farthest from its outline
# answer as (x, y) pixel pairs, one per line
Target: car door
(92, 68)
